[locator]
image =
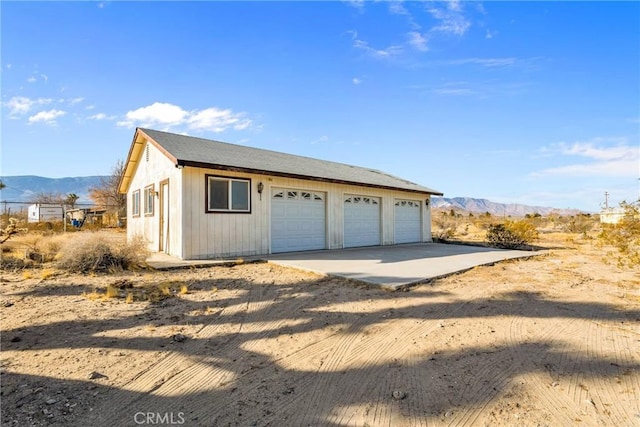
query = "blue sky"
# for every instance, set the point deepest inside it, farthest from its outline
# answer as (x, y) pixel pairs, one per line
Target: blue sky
(535, 103)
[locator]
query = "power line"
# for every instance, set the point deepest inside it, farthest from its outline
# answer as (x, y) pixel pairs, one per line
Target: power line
(59, 203)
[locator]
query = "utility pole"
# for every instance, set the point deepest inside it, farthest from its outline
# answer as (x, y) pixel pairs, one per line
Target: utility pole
(606, 200)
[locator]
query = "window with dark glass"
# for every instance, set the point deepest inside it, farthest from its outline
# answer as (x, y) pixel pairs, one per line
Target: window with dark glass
(228, 194)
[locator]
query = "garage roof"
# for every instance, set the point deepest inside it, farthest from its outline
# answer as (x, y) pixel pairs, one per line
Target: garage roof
(199, 152)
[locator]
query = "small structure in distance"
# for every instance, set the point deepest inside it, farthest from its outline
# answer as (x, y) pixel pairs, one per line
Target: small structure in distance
(45, 212)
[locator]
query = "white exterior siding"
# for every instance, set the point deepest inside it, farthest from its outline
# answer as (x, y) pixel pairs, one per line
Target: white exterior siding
(152, 170)
(221, 235)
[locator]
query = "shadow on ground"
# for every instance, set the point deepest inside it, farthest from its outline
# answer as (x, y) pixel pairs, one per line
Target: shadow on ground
(250, 363)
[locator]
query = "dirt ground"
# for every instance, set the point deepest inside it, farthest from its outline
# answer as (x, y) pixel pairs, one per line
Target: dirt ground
(549, 341)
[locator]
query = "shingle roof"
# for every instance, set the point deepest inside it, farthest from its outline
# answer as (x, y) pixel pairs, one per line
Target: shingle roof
(199, 152)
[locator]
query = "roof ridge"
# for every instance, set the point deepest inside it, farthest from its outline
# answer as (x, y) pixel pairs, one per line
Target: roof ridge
(273, 151)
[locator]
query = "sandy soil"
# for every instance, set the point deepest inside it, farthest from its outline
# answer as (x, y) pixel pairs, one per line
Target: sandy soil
(543, 342)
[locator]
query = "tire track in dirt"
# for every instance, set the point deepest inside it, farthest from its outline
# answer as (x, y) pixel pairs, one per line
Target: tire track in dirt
(629, 381)
(178, 373)
(557, 405)
(576, 396)
(605, 397)
(502, 370)
(365, 356)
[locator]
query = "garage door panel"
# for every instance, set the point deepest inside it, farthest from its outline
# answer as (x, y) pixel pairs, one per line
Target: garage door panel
(361, 221)
(408, 224)
(297, 220)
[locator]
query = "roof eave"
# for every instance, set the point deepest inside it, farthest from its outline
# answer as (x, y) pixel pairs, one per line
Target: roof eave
(191, 163)
(140, 138)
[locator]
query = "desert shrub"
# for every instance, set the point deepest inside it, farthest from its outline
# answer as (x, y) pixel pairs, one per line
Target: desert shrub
(444, 227)
(581, 223)
(94, 252)
(12, 263)
(625, 235)
(511, 234)
(11, 228)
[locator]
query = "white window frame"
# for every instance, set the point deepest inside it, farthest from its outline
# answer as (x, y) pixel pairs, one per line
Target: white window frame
(229, 180)
(135, 203)
(149, 193)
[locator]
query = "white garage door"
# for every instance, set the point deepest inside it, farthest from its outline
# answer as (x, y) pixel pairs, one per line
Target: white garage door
(407, 223)
(361, 221)
(297, 220)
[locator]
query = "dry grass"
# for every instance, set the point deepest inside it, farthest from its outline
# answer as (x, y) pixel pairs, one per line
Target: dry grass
(47, 273)
(129, 293)
(95, 252)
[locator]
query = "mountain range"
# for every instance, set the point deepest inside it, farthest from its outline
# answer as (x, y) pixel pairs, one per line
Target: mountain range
(469, 204)
(23, 189)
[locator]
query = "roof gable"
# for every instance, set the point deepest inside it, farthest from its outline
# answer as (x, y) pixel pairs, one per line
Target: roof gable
(200, 152)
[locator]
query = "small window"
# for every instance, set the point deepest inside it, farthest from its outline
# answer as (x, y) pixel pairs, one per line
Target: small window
(305, 195)
(228, 194)
(148, 200)
(135, 203)
(292, 194)
(279, 195)
(317, 196)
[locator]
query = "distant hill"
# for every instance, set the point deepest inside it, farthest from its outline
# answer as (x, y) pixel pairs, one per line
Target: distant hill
(470, 204)
(24, 188)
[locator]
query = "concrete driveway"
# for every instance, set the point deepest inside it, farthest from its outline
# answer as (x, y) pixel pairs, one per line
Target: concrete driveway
(394, 267)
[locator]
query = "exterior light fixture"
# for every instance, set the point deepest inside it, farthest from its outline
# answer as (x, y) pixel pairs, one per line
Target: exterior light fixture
(260, 189)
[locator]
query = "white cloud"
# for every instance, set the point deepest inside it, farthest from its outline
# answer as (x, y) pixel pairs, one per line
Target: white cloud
(454, 91)
(45, 78)
(76, 100)
(451, 19)
(490, 34)
(484, 62)
(358, 4)
(19, 105)
(454, 5)
(460, 88)
(375, 53)
(155, 114)
(47, 117)
(356, 81)
(101, 116)
(620, 159)
(216, 120)
(418, 41)
(323, 138)
(169, 116)
(31, 79)
(397, 8)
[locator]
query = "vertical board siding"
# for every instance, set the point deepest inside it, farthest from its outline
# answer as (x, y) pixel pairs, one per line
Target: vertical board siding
(152, 172)
(220, 235)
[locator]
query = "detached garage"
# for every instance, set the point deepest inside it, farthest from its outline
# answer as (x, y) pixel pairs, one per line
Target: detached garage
(196, 198)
